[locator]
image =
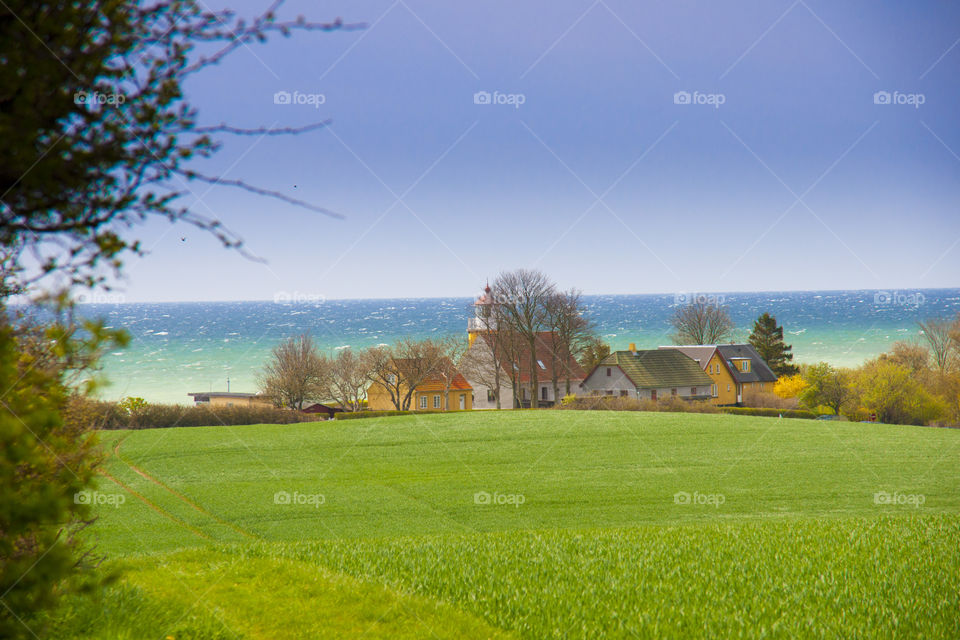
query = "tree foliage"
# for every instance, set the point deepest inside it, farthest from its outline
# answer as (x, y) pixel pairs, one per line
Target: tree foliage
(97, 133)
(767, 339)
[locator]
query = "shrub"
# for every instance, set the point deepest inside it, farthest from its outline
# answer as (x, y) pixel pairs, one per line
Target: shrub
(622, 403)
(357, 415)
(765, 399)
(97, 414)
(770, 413)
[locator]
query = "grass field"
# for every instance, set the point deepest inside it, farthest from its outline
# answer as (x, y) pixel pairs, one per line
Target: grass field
(528, 524)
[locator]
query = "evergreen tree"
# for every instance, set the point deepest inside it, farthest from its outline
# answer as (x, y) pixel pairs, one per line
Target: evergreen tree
(767, 339)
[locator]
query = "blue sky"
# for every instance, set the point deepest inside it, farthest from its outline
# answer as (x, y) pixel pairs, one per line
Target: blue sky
(781, 172)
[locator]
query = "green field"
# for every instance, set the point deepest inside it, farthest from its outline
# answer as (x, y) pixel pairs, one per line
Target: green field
(528, 524)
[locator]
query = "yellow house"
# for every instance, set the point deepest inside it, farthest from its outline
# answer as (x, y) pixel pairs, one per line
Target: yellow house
(428, 395)
(231, 399)
(734, 369)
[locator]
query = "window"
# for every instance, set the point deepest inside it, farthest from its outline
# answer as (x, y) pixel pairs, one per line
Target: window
(423, 402)
(491, 396)
(609, 392)
(714, 390)
(673, 392)
(693, 391)
(653, 394)
(728, 388)
(761, 386)
(608, 371)
(436, 402)
(745, 366)
(623, 392)
(524, 393)
(543, 393)
(540, 362)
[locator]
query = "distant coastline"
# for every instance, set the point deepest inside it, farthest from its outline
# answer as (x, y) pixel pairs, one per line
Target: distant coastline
(179, 347)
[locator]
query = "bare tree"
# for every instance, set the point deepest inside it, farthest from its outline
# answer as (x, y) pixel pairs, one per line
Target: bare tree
(349, 379)
(400, 369)
(522, 295)
(570, 335)
(452, 350)
(701, 323)
(937, 333)
(295, 373)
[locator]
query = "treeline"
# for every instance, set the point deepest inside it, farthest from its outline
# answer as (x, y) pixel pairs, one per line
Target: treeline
(916, 382)
(525, 320)
(134, 413)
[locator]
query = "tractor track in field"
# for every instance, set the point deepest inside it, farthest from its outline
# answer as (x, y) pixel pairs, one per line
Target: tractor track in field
(153, 506)
(176, 494)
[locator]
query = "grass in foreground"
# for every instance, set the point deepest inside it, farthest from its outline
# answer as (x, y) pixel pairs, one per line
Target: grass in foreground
(599, 545)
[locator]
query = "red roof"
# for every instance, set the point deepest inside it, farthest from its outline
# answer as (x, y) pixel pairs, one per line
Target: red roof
(566, 366)
(437, 384)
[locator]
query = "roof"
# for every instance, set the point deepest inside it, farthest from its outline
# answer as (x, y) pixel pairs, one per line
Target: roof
(657, 368)
(759, 370)
(545, 350)
(437, 384)
(699, 352)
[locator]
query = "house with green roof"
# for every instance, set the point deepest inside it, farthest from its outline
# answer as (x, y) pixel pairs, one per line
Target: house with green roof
(651, 374)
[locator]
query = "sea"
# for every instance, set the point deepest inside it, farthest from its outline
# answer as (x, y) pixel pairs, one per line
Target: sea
(177, 348)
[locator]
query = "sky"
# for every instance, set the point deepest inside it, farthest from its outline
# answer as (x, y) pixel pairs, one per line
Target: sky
(620, 147)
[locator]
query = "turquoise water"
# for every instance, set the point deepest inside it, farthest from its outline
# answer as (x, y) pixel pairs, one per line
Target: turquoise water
(178, 348)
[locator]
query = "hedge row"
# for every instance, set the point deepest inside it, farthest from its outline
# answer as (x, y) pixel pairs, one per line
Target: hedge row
(356, 415)
(108, 415)
(771, 413)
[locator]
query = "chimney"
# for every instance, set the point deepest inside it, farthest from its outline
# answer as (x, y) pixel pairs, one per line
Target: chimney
(633, 347)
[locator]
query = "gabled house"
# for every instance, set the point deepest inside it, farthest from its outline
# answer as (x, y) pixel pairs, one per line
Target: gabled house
(733, 369)
(652, 374)
(429, 394)
(514, 370)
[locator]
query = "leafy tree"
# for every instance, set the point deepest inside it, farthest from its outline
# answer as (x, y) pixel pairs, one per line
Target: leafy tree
(767, 339)
(890, 391)
(826, 386)
(790, 386)
(97, 135)
(595, 351)
(701, 323)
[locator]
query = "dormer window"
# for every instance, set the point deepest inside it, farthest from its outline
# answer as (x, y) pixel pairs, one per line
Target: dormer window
(609, 372)
(540, 362)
